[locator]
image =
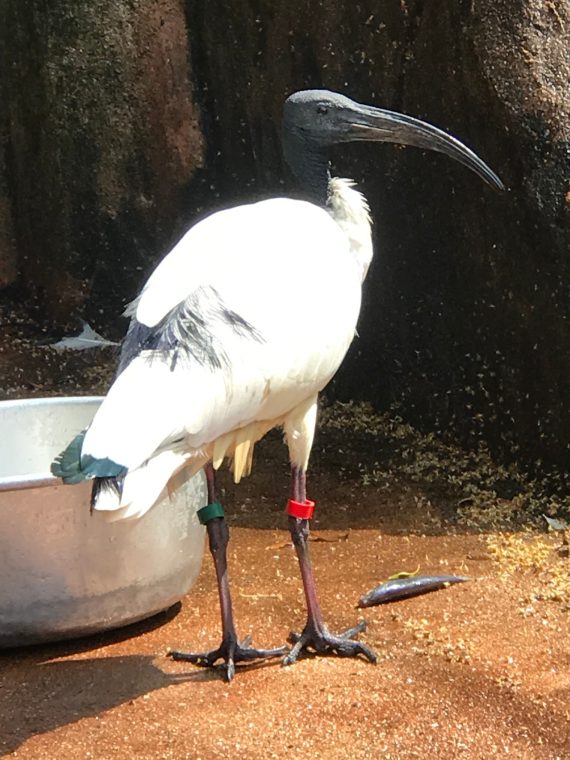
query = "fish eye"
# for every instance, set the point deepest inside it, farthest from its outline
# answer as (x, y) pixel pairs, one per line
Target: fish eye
(322, 109)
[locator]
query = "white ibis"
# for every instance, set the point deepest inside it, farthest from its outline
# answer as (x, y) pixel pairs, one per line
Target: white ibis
(236, 332)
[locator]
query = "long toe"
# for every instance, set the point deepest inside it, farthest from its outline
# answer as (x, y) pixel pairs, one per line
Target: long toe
(203, 659)
(321, 641)
(230, 652)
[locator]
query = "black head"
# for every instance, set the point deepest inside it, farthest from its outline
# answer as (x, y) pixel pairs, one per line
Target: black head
(319, 116)
(313, 120)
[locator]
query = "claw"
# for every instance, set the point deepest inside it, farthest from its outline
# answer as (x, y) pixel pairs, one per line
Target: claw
(231, 652)
(322, 641)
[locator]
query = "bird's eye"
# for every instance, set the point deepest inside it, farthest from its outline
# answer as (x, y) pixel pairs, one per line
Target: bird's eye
(322, 109)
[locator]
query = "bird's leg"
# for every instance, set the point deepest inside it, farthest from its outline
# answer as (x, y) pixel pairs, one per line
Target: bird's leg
(230, 650)
(315, 635)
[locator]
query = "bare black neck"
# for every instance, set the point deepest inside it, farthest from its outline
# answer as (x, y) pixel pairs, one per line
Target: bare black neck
(309, 163)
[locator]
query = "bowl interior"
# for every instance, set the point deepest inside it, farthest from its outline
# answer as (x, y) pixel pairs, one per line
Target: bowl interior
(34, 431)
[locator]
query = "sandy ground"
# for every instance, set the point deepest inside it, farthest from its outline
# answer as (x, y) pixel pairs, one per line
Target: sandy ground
(475, 671)
(460, 674)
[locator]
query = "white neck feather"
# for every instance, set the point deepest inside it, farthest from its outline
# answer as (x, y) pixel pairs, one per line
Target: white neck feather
(351, 212)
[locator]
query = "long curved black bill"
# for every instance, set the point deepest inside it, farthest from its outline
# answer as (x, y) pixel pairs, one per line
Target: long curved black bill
(380, 125)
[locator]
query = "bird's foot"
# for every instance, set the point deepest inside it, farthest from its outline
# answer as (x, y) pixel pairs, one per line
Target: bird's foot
(318, 639)
(231, 652)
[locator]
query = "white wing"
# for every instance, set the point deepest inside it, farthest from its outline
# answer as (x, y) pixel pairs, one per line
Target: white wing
(284, 267)
(248, 244)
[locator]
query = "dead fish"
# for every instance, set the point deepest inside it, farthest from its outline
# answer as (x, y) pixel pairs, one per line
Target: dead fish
(404, 588)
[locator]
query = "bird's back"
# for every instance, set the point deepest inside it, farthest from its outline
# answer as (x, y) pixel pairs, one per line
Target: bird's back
(270, 294)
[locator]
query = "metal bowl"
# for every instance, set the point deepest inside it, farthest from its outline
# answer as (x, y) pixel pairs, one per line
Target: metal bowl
(66, 573)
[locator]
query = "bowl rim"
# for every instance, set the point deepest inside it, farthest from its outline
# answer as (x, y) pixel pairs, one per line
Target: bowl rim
(55, 400)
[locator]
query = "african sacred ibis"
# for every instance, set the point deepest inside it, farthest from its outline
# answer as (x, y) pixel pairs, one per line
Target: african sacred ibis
(236, 332)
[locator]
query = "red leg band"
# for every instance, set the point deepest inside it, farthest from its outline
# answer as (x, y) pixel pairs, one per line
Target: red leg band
(300, 510)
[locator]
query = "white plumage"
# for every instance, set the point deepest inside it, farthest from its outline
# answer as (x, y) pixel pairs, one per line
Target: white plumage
(236, 332)
(291, 270)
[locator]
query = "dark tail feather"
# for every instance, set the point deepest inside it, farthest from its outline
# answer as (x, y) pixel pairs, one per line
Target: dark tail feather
(107, 488)
(73, 467)
(67, 465)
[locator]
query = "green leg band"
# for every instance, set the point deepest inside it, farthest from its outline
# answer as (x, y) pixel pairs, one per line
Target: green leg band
(210, 512)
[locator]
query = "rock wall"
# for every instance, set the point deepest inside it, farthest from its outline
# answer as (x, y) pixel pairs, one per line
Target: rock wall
(127, 120)
(101, 137)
